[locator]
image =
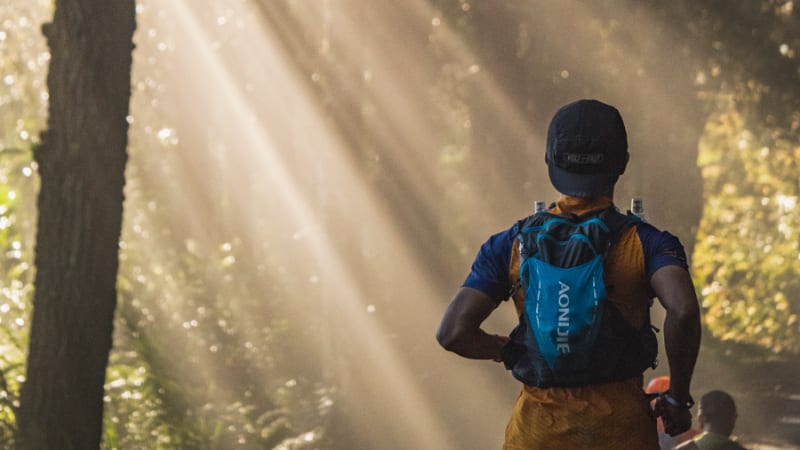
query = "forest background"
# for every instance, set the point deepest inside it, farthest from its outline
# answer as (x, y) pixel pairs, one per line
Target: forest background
(307, 184)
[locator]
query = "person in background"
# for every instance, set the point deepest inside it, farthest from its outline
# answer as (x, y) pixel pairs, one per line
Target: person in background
(716, 416)
(586, 152)
(656, 386)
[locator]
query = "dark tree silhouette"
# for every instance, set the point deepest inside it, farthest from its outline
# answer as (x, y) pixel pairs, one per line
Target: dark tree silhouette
(81, 161)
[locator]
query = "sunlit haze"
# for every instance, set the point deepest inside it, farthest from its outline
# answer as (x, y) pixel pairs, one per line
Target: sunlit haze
(309, 181)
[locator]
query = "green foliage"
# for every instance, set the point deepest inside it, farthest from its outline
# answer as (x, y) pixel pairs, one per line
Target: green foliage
(750, 56)
(17, 218)
(747, 256)
(23, 58)
(23, 63)
(203, 343)
(233, 388)
(225, 392)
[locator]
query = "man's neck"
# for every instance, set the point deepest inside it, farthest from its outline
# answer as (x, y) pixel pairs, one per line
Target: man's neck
(582, 205)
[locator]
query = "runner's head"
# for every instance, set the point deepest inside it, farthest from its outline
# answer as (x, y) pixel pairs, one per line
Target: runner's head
(587, 148)
(717, 412)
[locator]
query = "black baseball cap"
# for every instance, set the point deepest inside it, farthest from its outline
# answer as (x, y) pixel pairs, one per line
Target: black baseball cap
(587, 148)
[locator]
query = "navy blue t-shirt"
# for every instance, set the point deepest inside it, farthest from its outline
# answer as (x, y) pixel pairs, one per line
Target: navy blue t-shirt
(490, 270)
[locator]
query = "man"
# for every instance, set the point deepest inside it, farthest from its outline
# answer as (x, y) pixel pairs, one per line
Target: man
(586, 153)
(717, 417)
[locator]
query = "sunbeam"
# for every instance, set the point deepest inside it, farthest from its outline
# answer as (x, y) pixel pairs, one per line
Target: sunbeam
(309, 181)
(384, 376)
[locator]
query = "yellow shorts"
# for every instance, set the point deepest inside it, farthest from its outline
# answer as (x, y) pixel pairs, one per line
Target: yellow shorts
(609, 416)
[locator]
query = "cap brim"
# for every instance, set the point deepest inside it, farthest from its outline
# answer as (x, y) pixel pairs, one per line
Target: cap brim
(580, 184)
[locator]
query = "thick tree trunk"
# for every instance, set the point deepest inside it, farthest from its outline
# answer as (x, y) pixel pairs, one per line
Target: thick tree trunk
(82, 163)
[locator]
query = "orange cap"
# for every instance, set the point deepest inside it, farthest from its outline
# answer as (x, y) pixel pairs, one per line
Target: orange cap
(658, 384)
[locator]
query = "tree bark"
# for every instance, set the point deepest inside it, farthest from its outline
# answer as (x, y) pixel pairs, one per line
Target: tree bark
(81, 160)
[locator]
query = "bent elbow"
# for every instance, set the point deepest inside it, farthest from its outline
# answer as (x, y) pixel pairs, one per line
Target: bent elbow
(447, 339)
(452, 338)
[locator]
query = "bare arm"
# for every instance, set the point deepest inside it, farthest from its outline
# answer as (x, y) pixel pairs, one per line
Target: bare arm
(460, 330)
(674, 288)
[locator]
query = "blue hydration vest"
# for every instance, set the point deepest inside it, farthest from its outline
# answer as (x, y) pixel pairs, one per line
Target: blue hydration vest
(568, 333)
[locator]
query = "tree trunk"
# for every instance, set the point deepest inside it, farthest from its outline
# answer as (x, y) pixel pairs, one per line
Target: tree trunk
(81, 162)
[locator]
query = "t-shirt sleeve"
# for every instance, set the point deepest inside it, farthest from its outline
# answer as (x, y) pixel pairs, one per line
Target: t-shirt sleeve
(661, 248)
(489, 272)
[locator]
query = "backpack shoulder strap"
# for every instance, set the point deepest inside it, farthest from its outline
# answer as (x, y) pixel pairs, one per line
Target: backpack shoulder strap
(618, 222)
(534, 220)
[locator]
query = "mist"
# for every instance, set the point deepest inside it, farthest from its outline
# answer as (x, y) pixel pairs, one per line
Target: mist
(309, 183)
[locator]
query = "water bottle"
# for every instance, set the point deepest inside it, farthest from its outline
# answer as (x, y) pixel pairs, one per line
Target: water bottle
(538, 206)
(637, 207)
